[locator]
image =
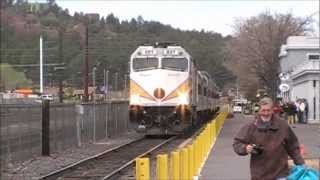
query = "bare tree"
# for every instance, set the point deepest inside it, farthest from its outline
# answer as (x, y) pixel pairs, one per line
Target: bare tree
(255, 48)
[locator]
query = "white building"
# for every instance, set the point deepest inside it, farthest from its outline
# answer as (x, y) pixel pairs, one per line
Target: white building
(300, 69)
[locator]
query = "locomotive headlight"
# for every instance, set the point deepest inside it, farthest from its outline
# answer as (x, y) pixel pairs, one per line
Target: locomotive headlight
(135, 99)
(183, 98)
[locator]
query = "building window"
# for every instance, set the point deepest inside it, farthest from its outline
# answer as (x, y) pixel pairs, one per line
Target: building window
(313, 56)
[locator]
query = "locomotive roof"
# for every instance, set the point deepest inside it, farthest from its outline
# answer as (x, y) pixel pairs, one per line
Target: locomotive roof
(162, 44)
(181, 50)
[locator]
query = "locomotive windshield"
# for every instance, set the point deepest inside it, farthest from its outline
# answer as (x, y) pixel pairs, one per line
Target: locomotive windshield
(175, 64)
(142, 64)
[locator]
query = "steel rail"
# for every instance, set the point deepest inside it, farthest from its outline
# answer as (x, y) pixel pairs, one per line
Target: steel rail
(113, 173)
(88, 159)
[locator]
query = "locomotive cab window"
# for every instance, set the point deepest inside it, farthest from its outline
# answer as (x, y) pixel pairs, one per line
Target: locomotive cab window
(143, 64)
(314, 56)
(175, 64)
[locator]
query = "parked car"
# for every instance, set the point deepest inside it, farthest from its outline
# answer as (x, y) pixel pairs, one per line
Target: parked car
(237, 108)
(47, 97)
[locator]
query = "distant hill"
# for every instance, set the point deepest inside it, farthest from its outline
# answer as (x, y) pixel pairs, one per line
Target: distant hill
(110, 42)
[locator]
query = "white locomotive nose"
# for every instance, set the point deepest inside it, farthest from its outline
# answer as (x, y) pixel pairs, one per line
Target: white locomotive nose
(159, 93)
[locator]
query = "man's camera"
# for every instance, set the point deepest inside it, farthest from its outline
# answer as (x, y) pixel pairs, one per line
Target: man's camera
(257, 149)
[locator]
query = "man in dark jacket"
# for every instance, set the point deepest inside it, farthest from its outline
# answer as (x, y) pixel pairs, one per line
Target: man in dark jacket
(269, 140)
(292, 110)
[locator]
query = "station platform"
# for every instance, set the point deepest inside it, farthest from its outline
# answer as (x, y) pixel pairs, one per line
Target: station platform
(224, 164)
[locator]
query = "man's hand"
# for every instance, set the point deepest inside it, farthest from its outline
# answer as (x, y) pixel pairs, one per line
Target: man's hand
(249, 148)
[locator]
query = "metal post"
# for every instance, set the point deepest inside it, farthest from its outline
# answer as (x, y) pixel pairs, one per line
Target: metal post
(125, 97)
(94, 103)
(107, 82)
(125, 82)
(117, 107)
(104, 84)
(45, 128)
(116, 82)
(107, 100)
(94, 80)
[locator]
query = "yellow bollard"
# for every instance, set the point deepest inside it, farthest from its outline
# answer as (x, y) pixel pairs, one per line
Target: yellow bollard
(202, 147)
(196, 156)
(185, 164)
(214, 131)
(218, 125)
(205, 142)
(162, 167)
(175, 165)
(209, 137)
(210, 134)
(191, 162)
(142, 169)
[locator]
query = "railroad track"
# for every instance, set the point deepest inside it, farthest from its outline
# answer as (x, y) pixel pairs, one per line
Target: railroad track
(128, 173)
(109, 163)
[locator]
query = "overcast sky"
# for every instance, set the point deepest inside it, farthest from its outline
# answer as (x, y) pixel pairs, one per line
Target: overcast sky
(217, 16)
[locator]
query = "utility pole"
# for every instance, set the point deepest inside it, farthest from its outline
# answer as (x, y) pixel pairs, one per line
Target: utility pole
(86, 66)
(41, 66)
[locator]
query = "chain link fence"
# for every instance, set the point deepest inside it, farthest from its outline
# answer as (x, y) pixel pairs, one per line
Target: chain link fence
(71, 125)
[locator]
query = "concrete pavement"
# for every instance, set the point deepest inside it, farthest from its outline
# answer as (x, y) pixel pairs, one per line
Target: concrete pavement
(224, 164)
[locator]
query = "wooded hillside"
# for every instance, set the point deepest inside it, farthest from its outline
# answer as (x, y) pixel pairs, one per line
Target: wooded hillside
(110, 42)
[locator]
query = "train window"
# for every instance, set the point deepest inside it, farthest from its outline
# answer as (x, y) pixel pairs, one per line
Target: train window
(313, 56)
(175, 64)
(142, 64)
